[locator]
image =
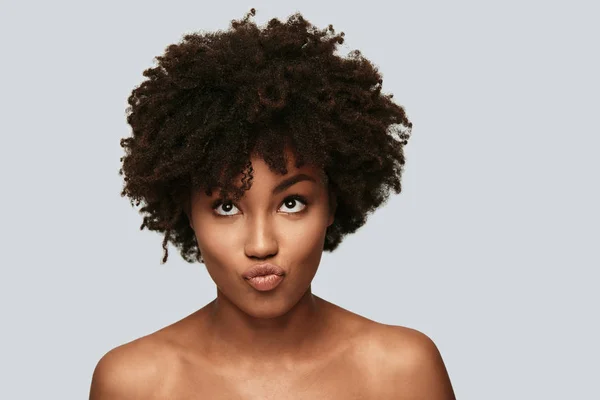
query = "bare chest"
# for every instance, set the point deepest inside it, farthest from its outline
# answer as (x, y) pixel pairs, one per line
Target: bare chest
(336, 380)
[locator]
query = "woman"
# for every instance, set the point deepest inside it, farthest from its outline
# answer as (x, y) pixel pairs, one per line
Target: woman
(254, 150)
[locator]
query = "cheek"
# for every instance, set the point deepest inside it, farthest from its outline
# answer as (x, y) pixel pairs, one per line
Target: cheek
(303, 240)
(219, 246)
(217, 241)
(305, 232)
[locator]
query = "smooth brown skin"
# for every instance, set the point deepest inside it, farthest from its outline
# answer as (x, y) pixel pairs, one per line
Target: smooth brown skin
(282, 344)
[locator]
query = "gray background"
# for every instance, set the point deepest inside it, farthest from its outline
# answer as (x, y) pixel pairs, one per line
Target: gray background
(491, 249)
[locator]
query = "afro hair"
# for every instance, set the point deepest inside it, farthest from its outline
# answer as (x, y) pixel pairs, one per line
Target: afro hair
(217, 98)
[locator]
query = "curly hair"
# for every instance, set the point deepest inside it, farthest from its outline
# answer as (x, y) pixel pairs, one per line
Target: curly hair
(217, 98)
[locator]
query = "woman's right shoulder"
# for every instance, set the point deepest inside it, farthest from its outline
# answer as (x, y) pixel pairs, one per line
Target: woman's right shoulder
(135, 370)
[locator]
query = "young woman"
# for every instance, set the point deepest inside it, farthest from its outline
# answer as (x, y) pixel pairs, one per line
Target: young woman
(254, 150)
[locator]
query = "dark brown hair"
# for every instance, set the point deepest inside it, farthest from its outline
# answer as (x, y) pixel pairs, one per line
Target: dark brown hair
(216, 98)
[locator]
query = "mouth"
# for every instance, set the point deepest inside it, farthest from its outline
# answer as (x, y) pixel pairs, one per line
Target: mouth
(265, 283)
(264, 277)
(263, 270)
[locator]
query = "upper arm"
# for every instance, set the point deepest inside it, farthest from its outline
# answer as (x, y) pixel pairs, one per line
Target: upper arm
(124, 373)
(417, 370)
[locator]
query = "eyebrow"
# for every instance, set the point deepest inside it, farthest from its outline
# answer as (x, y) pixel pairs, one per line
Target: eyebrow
(291, 181)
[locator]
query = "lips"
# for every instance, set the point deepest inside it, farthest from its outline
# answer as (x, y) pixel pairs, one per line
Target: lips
(263, 270)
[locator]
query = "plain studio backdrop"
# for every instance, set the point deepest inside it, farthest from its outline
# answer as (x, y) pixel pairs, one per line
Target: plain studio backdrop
(491, 249)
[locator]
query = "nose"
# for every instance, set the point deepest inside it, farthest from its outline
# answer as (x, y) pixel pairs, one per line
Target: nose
(261, 242)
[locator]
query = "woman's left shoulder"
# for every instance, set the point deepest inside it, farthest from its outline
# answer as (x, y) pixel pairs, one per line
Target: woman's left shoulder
(409, 362)
(399, 343)
(409, 342)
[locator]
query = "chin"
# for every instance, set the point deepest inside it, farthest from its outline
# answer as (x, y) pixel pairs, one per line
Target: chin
(266, 308)
(267, 305)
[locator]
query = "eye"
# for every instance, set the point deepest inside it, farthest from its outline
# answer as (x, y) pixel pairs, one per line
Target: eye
(227, 207)
(292, 202)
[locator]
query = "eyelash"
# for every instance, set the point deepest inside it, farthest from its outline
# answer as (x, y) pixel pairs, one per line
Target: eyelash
(295, 196)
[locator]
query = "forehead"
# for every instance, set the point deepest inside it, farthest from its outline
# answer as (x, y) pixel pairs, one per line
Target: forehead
(261, 170)
(264, 179)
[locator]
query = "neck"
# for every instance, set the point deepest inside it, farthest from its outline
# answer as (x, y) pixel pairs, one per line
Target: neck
(284, 339)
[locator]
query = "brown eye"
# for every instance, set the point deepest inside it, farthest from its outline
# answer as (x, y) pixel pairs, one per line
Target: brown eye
(295, 203)
(226, 206)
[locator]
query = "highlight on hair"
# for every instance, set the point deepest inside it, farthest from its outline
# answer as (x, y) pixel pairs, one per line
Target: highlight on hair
(217, 98)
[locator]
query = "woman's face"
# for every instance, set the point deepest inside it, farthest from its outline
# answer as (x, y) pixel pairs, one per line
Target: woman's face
(280, 220)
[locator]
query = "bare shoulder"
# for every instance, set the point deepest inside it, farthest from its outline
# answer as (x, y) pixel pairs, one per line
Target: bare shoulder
(408, 364)
(135, 370)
